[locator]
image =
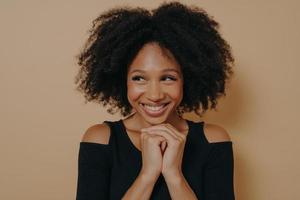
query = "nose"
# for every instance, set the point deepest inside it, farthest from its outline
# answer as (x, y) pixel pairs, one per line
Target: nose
(154, 91)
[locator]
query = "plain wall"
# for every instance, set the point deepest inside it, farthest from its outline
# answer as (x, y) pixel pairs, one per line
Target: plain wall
(43, 117)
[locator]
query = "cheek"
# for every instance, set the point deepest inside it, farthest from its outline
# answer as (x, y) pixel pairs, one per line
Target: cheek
(176, 92)
(133, 92)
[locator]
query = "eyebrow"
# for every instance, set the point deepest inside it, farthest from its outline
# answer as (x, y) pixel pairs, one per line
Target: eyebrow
(164, 70)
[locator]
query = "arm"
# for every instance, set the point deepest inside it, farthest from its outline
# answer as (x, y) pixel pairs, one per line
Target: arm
(93, 172)
(141, 189)
(179, 187)
(94, 164)
(218, 176)
(219, 173)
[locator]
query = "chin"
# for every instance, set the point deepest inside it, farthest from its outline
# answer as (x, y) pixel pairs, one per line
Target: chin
(156, 119)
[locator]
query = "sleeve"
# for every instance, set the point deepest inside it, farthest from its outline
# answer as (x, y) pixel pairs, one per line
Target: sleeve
(219, 172)
(93, 171)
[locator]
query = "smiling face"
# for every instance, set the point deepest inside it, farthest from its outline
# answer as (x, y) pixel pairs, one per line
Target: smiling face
(154, 85)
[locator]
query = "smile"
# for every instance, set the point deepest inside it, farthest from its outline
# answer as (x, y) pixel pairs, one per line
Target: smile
(154, 111)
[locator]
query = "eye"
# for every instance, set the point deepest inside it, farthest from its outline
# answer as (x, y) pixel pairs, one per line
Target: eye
(170, 77)
(136, 78)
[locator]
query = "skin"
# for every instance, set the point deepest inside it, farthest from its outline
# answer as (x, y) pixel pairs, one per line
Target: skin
(154, 85)
(160, 139)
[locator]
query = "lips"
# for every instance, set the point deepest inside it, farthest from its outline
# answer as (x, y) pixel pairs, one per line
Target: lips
(154, 111)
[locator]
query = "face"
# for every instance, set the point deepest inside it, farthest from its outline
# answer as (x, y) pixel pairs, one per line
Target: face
(154, 84)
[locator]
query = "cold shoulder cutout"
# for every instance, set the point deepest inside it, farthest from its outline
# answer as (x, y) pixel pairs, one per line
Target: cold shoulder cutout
(215, 133)
(99, 133)
(94, 164)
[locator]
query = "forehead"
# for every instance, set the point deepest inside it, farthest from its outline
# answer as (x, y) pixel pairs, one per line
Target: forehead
(152, 57)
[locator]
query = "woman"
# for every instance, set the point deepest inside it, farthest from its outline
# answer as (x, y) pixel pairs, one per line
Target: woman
(153, 66)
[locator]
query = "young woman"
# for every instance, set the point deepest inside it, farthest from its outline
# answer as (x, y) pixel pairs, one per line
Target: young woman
(153, 66)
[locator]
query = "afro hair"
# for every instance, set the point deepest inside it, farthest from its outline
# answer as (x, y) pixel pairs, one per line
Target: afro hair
(189, 33)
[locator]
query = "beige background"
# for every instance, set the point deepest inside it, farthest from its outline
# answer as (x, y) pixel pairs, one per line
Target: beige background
(43, 117)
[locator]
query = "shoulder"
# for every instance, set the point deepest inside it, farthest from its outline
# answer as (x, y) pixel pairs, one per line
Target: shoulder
(98, 133)
(215, 133)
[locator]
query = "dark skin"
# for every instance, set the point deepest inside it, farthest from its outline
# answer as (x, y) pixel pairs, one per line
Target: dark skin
(161, 139)
(154, 78)
(134, 133)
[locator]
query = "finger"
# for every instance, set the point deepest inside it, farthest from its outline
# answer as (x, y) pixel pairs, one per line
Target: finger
(160, 128)
(163, 133)
(172, 128)
(157, 139)
(163, 128)
(147, 134)
(142, 139)
(162, 141)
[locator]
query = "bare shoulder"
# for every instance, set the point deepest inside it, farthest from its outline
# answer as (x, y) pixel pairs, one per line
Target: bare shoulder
(215, 133)
(98, 133)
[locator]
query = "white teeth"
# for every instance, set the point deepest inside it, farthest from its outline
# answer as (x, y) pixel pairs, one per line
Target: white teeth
(154, 108)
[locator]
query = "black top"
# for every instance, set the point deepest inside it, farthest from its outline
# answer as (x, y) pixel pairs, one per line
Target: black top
(106, 171)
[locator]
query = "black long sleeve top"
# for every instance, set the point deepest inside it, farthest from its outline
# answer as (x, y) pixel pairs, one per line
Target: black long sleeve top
(106, 171)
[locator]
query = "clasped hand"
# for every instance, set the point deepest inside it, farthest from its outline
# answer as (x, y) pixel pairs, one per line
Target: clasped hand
(171, 143)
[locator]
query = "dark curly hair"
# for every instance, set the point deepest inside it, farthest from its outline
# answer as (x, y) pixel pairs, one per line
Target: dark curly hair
(189, 33)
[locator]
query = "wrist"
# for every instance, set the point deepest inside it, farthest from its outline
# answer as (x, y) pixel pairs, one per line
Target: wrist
(149, 178)
(174, 177)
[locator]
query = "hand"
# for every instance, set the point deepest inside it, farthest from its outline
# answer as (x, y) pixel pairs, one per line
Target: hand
(151, 155)
(173, 154)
